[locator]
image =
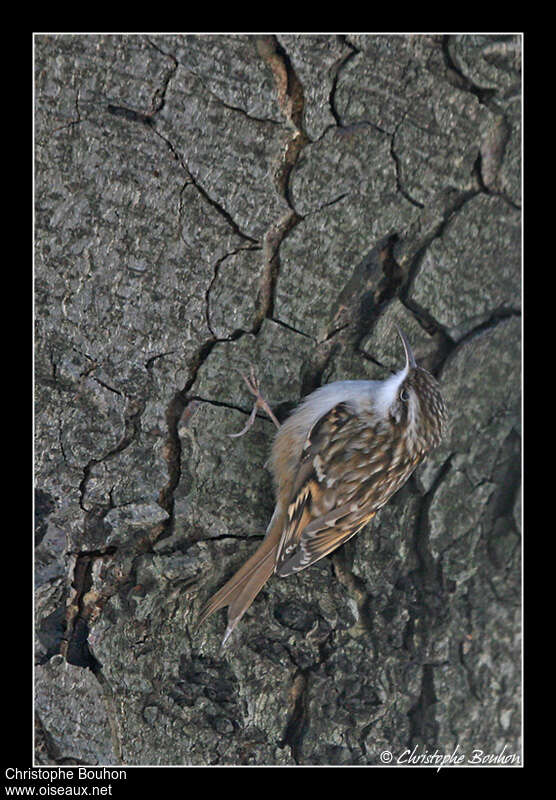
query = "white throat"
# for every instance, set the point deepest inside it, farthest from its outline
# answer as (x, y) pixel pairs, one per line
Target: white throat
(387, 392)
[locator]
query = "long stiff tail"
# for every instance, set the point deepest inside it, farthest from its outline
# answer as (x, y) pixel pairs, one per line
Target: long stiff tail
(240, 591)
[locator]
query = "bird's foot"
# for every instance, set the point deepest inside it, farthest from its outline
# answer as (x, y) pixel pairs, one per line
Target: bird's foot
(252, 383)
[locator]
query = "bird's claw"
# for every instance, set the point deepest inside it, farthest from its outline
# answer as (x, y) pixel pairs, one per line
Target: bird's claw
(252, 383)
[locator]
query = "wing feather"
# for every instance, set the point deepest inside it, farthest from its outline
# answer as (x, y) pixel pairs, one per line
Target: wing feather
(348, 469)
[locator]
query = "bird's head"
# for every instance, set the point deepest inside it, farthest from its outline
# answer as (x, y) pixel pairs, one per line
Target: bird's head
(412, 401)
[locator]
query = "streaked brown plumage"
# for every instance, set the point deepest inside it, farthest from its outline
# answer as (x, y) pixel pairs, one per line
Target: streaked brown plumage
(336, 461)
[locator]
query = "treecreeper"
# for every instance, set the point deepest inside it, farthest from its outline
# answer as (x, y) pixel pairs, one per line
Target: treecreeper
(339, 457)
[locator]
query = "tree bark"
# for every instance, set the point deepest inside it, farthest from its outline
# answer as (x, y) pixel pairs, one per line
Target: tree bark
(205, 203)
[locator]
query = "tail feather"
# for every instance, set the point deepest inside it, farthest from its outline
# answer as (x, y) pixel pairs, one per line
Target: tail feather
(240, 591)
(248, 590)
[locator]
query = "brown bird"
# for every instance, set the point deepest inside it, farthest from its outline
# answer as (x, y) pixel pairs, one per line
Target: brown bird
(336, 461)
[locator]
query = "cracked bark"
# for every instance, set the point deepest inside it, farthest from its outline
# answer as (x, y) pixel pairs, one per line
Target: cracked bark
(208, 202)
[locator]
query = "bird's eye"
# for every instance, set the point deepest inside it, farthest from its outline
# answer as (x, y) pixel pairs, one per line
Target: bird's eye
(404, 395)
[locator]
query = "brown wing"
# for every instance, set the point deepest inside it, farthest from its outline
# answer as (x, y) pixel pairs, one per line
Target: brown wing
(348, 469)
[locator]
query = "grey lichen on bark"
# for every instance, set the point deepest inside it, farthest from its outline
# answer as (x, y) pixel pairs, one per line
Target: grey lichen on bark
(205, 203)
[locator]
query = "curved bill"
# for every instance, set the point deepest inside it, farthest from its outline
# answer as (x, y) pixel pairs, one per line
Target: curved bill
(409, 357)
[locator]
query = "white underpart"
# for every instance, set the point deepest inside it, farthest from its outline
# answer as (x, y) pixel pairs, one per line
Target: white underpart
(317, 404)
(387, 392)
